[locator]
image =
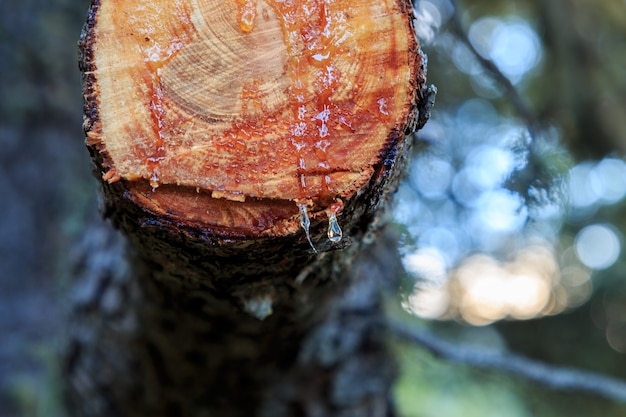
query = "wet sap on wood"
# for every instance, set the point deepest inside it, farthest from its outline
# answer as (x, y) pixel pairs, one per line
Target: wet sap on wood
(312, 35)
(270, 102)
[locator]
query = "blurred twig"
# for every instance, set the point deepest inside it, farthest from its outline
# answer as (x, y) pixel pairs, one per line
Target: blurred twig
(537, 173)
(516, 99)
(548, 375)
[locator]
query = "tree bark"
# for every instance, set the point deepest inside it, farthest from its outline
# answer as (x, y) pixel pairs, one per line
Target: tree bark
(141, 346)
(216, 304)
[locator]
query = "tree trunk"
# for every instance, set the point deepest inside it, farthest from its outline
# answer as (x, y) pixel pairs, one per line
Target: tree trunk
(234, 141)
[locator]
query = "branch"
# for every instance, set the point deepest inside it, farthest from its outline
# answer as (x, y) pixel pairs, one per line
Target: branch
(552, 376)
(536, 170)
(518, 102)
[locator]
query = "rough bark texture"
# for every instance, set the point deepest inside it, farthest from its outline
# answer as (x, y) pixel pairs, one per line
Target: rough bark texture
(186, 318)
(142, 346)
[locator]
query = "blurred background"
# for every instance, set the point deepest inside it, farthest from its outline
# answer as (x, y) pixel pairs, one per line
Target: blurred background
(511, 220)
(46, 194)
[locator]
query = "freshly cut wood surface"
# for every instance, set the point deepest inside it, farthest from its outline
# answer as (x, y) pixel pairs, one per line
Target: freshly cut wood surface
(233, 113)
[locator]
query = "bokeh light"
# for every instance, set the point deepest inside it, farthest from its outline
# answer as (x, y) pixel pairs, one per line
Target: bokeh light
(480, 252)
(428, 20)
(432, 177)
(490, 165)
(480, 244)
(598, 246)
(481, 289)
(592, 184)
(513, 46)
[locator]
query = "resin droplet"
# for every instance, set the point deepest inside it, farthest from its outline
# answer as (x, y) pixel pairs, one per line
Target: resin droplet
(334, 231)
(154, 181)
(305, 222)
(247, 15)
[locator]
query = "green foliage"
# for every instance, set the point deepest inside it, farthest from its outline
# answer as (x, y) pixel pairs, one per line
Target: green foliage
(433, 388)
(430, 387)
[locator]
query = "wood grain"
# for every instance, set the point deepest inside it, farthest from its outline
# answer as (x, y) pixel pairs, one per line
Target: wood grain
(234, 113)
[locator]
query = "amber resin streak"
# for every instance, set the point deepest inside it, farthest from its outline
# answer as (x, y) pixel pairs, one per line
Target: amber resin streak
(242, 114)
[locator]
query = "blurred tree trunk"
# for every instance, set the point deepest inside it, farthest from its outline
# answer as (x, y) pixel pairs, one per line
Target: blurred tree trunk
(141, 346)
(589, 90)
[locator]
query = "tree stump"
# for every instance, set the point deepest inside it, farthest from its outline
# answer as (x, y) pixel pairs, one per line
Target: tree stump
(246, 149)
